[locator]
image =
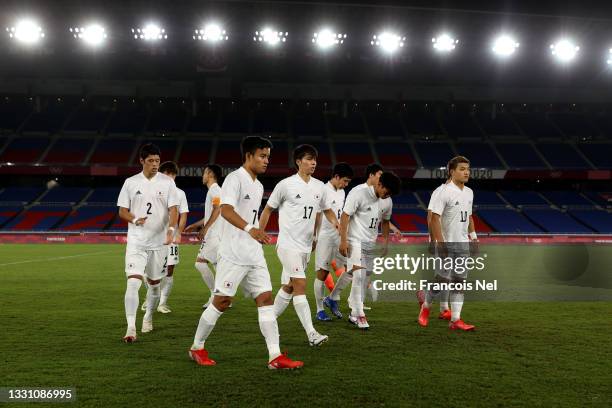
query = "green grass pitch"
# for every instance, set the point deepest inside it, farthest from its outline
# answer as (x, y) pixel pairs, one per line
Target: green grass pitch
(62, 320)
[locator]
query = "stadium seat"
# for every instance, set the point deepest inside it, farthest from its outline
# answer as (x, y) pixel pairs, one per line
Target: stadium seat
(23, 195)
(270, 118)
(113, 150)
(279, 159)
(484, 198)
(508, 221)
(598, 154)
(567, 199)
(395, 154)
(434, 154)
(500, 124)
(480, 155)
(235, 118)
(167, 117)
(354, 153)
(536, 125)
(520, 156)
(195, 215)
(410, 220)
(573, 124)
(228, 154)
(13, 112)
(385, 125)
(38, 218)
(600, 221)
(26, 150)
(562, 156)
(324, 161)
(128, 118)
(61, 194)
(405, 200)
(195, 152)
(524, 198)
(68, 151)
(8, 212)
(556, 221)
(309, 121)
(206, 119)
(195, 196)
(88, 219)
(351, 124)
(461, 125)
(90, 117)
(51, 117)
(104, 195)
(421, 123)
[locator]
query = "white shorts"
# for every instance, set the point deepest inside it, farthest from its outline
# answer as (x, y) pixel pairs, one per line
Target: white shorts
(173, 255)
(149, 263)
(326, 252)
(458, 272)
(359, 256)
(294, 264)
(209, 249)
(255, 279)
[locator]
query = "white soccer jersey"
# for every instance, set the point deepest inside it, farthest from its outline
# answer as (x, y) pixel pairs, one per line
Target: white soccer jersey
(298, 203)
(213, 197)
(183, 207)
(434, 196)
(366, 211)
(151, 199)
(335, 198)
(244, 194)
(454, 206)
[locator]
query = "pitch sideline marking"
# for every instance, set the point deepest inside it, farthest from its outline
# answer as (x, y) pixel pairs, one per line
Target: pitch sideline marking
(57, 258)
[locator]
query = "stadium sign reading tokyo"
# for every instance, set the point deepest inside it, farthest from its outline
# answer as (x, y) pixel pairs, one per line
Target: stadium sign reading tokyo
(197, 171)
(475, 173)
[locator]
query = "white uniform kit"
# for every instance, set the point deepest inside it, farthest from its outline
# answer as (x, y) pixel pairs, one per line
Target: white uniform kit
(298, 203)
(366, 211)
(183, 208)
(241, 258)
(454, 206)
(146, 253)
(329, 239)
(210, 244)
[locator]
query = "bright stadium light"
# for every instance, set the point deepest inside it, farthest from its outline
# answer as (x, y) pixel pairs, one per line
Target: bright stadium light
(270, 36)
(26, 31)
(389, 42)
(444, 43)
(504, 46)
(609, 60)
(150, 32)
(211, 32)
(92, 35)
(327, 38)
(564, 50)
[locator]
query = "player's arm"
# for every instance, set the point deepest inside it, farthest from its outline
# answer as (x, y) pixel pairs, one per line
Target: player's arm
(265, 217)
(385, 226)
(344, 224)
(274, 202)
(173, 216)
(431, 237)
(196, 225)
(317, 227)
(182, 222)
(331, 217)
(230, 215)
(127, 216)
(396, 231)
(216, 211)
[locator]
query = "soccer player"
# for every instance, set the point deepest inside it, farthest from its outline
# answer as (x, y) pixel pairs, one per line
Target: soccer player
(328, 239)
(148, 203)
(372, 173)
(365, 209)
(241, 257)
(299, 199)
(210, 228)
(451, 216)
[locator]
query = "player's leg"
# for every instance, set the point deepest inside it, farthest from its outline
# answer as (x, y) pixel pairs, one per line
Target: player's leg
(331, 302)
(168, 280)
(302, 309)
(157, 263)
(257, 284)
(456, 296)
(135, 264)
(207, 256)
(323, 259)
(285, 293)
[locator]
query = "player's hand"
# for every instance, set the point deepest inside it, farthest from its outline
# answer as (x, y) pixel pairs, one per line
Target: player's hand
(474, 247)
(343, 249)
(314, 244)
(384, 250)
(140, 221)
(190, 228)
(169, 237)
(442, 249)
(202, 233)
(397, 233)
(259, 236)
(178, 238)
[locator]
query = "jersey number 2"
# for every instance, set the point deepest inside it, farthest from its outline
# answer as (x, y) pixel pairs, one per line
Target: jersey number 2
(149, 206)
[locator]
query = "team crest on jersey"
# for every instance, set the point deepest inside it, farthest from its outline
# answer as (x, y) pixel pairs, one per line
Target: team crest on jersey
(317, 197)
(227, 284)
(247, 197)
(130, 266)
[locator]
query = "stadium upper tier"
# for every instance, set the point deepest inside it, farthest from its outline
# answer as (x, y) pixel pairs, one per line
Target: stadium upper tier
(85, 209)
(75, 131)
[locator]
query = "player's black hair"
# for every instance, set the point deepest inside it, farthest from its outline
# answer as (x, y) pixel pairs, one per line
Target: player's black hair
(216, 170)
(391, 182)
(342, 169)
(149, 149)
(250, 144)
(302, 151)
(373, 168)
(169, 167)
(454, 162)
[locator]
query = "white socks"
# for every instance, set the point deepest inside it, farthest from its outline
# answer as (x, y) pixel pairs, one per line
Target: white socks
(132, 301)
(207, 275)
(281, 301)
(153, 293)
(269, 329)
(444, 300)
(302, 308)
(342, 283)
(319, 292)
(456, 301)
(355, 300)
(208, 319)
(166, 288)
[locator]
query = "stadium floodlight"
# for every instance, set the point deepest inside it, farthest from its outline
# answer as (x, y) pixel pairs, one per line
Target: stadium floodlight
(92, 35)
(609, 60)
(26, 31)
(211, 32)
(564, 50)
(270, 36)
(389, 42)
(444, 43)
(327, 38)
(150, 32)
(504, 46)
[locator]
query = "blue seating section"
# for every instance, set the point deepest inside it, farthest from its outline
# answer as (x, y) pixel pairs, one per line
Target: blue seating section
(524, 198)
(461, 126)
(480, 155)
(507, 220)
(567, 198)
(8, 212)
(13, 112)
(65, 195)
(520, 155)
(88, 219)
(536, 125)
(600, 221)
(499, 125)
(562, 156)
(38, 218)
(556, 221)
(434, 154)
(352, 124)
(598, 154)
(20, 194)
(385, 125)
(405, 200)
(487, 198)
